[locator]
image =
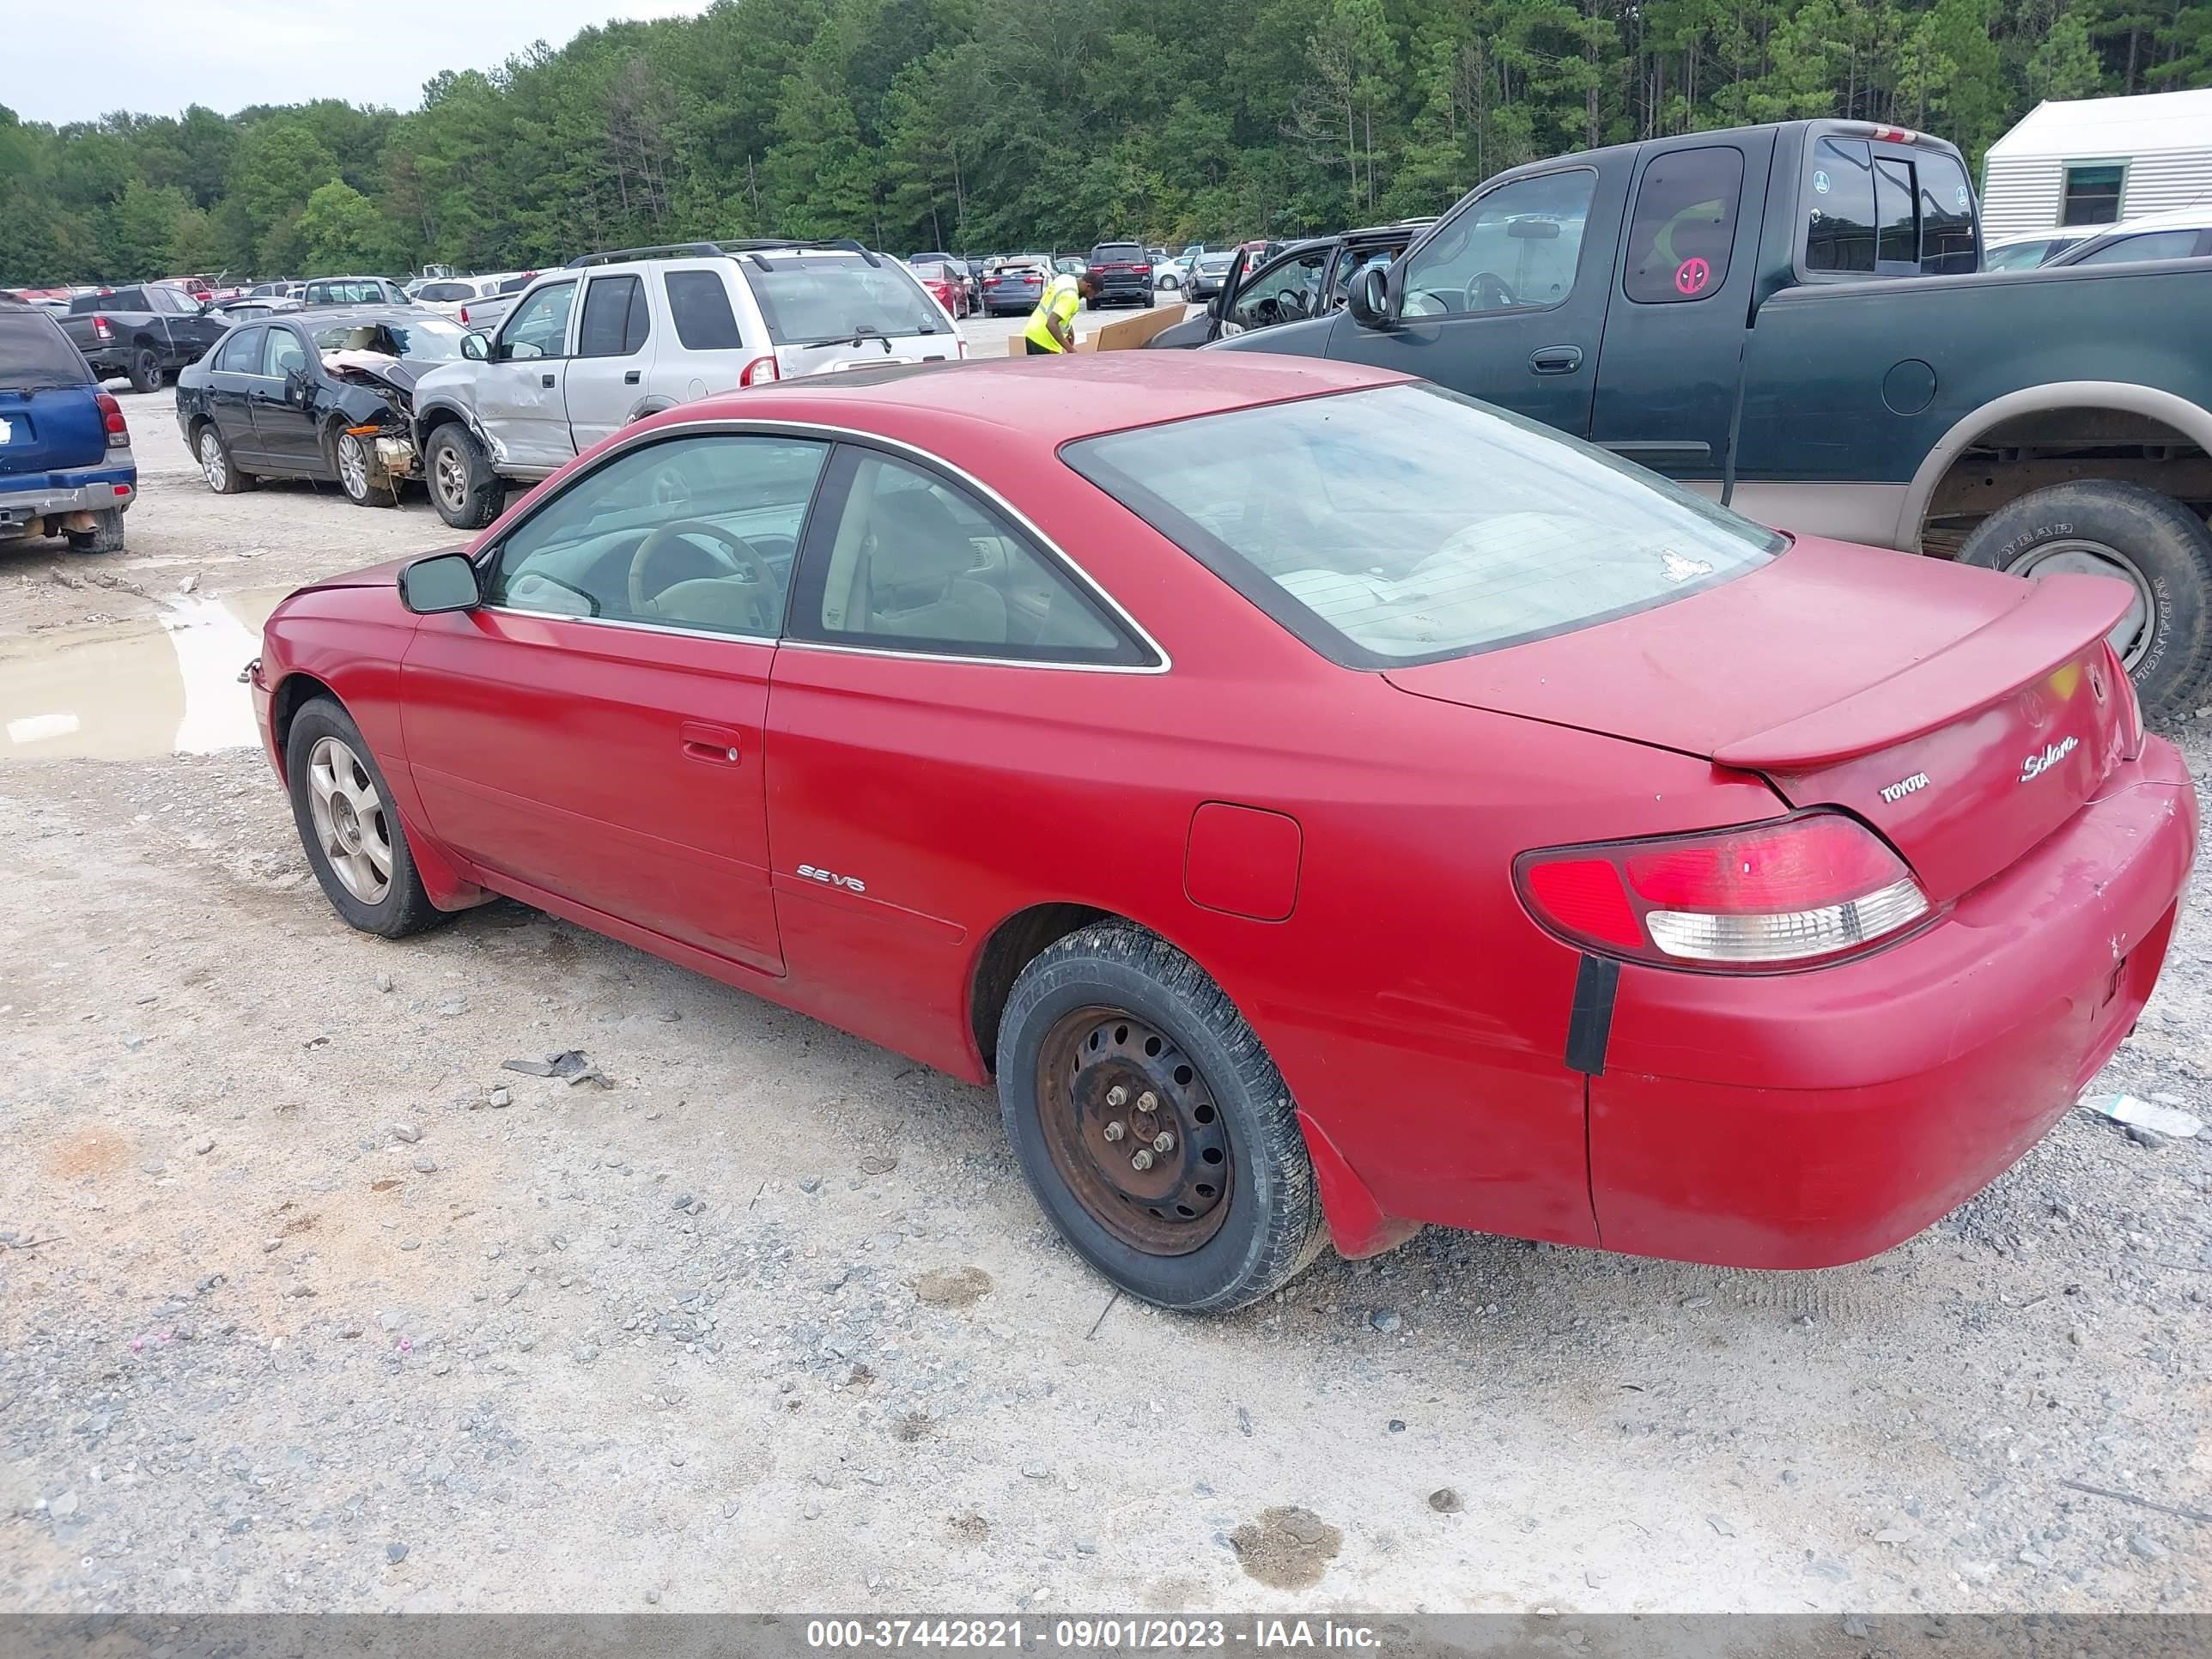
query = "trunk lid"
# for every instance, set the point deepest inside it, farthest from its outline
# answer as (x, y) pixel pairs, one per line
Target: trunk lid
(1963, 713)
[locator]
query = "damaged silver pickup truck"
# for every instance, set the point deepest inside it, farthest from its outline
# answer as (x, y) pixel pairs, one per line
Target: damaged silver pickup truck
(328, 395)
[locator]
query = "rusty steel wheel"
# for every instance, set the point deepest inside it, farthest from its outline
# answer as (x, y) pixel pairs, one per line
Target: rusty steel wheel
(1134, 1131)
(1156, 1131)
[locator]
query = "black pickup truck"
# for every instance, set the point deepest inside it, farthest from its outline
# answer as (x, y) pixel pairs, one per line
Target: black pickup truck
(1792, 319)
(146, 332)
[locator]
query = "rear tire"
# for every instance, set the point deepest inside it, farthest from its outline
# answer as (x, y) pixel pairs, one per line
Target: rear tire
(465, 489)
(358, 850)
(145, 370)
(1237, 1214)
(105, 537)
(2133, 533)
(217, 465)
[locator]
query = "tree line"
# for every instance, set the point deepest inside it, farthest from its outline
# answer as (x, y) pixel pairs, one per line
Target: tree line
(1025, 123)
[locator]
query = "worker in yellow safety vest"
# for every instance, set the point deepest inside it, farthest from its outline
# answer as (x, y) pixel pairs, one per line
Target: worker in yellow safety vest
(1052, 324)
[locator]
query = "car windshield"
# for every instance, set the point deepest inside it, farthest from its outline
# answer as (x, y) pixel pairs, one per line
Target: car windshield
(34, 352)
(1408, 524)
(817, 301)
(419, 339)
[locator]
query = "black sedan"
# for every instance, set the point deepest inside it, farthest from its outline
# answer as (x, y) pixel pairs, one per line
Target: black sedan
(323, 395)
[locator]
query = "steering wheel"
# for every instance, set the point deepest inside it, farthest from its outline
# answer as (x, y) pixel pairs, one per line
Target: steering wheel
(1492, 291)
(749, 562)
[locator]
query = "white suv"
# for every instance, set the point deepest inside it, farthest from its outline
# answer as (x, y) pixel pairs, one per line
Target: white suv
(614, 337)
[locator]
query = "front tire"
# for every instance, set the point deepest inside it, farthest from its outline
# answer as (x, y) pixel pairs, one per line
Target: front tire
(350, 831)
(1152, 1125)
(463, 489)
(2126, 531)
(357, 474)
(145, 370)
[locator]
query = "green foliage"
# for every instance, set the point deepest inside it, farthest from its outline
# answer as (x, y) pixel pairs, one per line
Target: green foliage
(1026, 123)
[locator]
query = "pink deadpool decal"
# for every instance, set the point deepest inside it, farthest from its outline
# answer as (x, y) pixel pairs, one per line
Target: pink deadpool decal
(1691, 276)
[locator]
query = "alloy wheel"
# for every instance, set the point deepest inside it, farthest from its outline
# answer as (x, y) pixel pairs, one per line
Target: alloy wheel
(1133, 1130)
(350, 823)
(213, 467)
(2079, 555)
(353, 466)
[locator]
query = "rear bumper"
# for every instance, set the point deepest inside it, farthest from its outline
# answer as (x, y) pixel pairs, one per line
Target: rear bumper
(1123, 285)
(1806, 1120)
(28, 511)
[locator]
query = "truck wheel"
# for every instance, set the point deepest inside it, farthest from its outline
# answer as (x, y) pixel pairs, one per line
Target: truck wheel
(356, 474)
(216, 466)
(145, 370)
(463, 489)
(105, 537)
(1152, 1125)
(2149, 541)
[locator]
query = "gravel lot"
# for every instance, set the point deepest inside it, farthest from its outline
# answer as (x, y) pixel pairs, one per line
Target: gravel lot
(307, 1303)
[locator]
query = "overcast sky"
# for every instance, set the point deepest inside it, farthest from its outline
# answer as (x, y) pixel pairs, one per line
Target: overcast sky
(75, 63)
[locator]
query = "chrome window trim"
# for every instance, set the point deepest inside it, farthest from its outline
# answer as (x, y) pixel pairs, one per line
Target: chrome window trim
(769, 428)
(632, 621)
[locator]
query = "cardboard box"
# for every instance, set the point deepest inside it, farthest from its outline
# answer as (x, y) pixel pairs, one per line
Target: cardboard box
(1123, 334)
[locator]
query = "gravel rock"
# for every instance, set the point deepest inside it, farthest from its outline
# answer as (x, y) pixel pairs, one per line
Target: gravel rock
(406, 1132)
(2146, 1547)
(1385, 1320)
(423, 1164)
(395, 1552)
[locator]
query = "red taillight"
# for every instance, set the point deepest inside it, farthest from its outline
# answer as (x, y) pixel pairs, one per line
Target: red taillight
(1807, 888)
(119, 429)
(101, 331)
(759, 372)
(465, 313)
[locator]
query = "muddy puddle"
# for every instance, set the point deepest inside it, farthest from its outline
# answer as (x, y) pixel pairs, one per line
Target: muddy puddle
(151, 685)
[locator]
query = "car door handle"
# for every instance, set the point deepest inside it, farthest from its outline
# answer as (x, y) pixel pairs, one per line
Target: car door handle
(1555, 359)
(545, 380)
(716, 744)
(630, 379)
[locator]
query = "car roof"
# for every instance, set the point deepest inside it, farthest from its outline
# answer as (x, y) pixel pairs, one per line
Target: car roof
(1050, 403)
(323, 315)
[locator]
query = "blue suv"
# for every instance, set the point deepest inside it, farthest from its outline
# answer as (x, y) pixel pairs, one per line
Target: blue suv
(65, 465)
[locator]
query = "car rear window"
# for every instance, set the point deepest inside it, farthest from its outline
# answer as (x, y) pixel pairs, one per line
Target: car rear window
(33, 351)
(1408, 524)
(445, 293)
(815, 301)
(701, 308)
(1118, 253)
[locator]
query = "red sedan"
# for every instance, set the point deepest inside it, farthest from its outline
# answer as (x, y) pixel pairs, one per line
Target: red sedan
(945, 287)
(1324, 804)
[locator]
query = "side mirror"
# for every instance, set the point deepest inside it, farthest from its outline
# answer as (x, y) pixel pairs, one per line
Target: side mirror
(475, 347)
(1369, 301)
(443, 581)
(1213, 307)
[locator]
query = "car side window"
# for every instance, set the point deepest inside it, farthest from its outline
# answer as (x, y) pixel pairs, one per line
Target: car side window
(915, 563)
(1515, 249)
(2151, 245)
(1288, 293)
(284, 354)
(701, 308)
(1684, 225)
(614, 322)
(241, 352)
(697, 532)
(538, 326)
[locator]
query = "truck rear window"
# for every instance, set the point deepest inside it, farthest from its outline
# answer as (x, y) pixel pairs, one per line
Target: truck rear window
(1887, 214)
(815, 301)
(34, 352)
(1408, 524)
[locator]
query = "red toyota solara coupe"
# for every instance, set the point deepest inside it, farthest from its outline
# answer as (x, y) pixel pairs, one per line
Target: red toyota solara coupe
(1324, 804)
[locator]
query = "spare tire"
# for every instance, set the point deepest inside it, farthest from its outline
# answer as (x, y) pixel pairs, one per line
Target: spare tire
(2134, 535)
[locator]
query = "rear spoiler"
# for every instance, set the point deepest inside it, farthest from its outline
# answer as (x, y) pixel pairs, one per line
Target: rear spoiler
(2055, 619)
